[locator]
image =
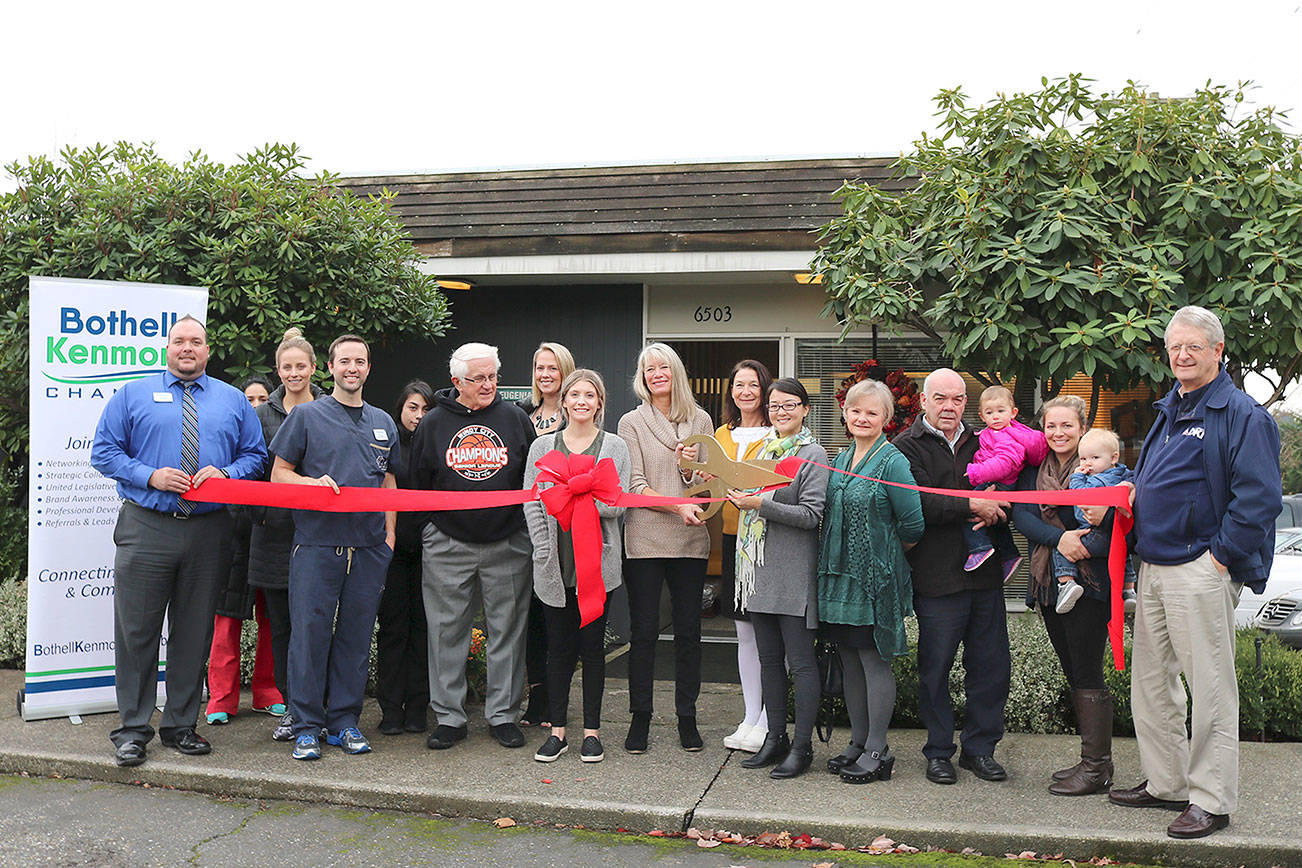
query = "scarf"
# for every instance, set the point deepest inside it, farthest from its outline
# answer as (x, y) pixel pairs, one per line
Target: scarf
(1054, 475)
(751, 528)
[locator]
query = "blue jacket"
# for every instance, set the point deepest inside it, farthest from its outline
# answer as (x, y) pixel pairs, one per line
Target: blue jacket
(1241, 456)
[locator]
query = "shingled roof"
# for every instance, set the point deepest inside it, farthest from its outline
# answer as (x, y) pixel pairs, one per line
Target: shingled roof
(762, 205)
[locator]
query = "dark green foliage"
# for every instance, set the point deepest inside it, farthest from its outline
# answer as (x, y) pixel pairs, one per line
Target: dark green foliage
(274, 248)
(1290, 450)
(1051, 234)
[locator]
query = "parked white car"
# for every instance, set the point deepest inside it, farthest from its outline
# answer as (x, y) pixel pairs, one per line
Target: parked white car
(1285, 575)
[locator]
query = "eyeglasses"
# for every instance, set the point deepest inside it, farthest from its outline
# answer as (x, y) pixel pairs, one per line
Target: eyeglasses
(481, 379)
(786, 407)
(1191, 349)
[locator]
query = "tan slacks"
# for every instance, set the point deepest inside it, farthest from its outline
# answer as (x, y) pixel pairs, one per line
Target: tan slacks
(1184, 624)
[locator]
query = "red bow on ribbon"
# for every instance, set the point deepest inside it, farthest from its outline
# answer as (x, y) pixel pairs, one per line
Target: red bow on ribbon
(579, 482)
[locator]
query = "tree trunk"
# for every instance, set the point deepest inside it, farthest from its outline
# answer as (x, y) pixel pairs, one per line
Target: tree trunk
(1095, 388)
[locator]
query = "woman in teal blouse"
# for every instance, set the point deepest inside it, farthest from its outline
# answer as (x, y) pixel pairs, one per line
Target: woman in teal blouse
(864, 587)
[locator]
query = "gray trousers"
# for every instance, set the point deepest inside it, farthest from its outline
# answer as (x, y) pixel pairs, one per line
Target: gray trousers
(1184, 625)
(173, 566)
(455, 575)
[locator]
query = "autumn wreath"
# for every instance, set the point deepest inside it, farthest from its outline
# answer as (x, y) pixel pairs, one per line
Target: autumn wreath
(908, 401)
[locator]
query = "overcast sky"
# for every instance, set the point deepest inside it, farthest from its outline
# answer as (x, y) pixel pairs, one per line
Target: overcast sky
(379, 87)
(391, 87)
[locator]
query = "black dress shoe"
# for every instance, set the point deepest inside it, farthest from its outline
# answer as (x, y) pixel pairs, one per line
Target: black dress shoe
(507, 735)
(985, 767)
(186, 741)
(845, 758)
(389, 726)
(1194, 822)
(1140, 797)
(941, 771)
(773, 751)
(443, 737)
(131, 753)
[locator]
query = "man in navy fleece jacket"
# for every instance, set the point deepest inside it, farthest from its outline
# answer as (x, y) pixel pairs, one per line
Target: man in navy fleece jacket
(1206, 494)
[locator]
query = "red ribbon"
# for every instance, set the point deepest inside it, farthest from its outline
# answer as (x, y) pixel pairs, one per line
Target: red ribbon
(1116, 496)
(323, 499)
(579, 481)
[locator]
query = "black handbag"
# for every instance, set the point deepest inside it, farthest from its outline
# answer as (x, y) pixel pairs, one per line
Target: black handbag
(831, 680)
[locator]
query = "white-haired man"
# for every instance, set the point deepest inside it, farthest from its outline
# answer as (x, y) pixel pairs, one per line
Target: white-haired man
(1206, 494)
(471, 440)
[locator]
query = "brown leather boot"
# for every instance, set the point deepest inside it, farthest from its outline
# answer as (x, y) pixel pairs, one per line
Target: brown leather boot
(1063, 774)
(1094, 775)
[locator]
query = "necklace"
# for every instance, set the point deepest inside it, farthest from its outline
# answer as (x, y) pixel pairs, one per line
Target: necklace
(541, 424)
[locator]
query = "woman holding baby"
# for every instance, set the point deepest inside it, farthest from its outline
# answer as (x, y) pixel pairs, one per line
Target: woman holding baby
(1070, 545)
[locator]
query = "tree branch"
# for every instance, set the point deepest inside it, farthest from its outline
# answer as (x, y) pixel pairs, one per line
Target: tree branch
(1284, 379)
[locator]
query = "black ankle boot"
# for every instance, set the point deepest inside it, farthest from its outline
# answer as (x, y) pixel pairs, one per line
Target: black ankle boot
(846, 757)
(774, 751)
(798, 760)
(638, 730)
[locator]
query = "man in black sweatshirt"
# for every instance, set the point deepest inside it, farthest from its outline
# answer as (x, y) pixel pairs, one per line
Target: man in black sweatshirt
(473, 441)
(954, 605)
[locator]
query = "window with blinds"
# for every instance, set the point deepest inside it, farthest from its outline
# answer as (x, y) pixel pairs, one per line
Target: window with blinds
(821, 365)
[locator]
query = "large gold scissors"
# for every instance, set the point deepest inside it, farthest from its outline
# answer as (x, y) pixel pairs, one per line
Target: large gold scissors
(726, 472)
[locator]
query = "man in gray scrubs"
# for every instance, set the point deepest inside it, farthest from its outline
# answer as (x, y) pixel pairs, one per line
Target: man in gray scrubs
(337, 569)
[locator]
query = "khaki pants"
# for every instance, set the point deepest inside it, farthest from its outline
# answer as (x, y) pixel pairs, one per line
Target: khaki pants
(1184, 624)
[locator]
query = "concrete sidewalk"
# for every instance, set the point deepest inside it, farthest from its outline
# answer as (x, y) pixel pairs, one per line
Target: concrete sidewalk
(670, 789)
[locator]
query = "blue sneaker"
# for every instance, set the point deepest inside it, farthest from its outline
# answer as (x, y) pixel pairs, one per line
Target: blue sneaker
(351, 740)
(307, 747)
(976, 559)
(276, 709)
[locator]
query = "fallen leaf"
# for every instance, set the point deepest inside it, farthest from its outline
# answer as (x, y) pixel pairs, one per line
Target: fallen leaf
(882, 844)
(905, 848)
(836, 846)
(656, 833)
(694, 833)
(822, 865)
(546, 780)
(706, 842)
(503, 822)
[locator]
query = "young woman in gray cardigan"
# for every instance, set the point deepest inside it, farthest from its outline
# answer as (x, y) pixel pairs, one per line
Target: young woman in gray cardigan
(583, 399)
(777, 581)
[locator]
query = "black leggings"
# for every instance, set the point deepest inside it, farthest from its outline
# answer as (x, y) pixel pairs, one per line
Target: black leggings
(784, 640)
(567, 643)
(644, 578)
(1078, 637)
(276, 605)
(401, 645)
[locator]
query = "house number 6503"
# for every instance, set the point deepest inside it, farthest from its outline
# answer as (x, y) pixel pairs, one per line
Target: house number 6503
(706, 313)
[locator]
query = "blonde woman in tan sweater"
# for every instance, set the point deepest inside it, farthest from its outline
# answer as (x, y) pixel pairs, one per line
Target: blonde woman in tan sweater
(663, 545)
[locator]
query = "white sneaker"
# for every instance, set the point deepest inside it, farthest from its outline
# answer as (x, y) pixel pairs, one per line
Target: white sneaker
(754, 740)
(1068, 593)
(734, 741)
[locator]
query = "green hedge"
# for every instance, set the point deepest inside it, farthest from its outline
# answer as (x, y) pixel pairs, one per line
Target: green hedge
(1039, 701)
(1270, 699)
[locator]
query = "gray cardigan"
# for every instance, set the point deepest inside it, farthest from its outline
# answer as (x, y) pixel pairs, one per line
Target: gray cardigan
(547, 582)
(787, 582)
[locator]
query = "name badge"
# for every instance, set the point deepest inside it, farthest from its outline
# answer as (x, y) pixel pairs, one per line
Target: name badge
(380, 433)
(162, 397)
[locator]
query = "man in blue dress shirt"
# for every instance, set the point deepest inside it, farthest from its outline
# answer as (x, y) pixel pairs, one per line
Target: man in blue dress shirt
(158, 437)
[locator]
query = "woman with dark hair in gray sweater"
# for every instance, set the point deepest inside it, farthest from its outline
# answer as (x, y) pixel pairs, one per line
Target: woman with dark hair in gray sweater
(777, 561)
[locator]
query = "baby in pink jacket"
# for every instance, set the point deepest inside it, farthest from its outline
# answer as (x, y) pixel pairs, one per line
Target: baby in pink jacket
(1007, 446)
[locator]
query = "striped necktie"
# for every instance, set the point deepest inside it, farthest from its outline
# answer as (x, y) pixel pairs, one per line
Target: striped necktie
(189, 443)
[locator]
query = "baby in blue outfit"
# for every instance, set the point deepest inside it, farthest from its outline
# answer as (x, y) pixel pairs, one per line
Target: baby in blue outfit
(1100, 466)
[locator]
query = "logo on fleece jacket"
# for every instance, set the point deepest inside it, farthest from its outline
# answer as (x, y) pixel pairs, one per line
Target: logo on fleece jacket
(476, 452)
